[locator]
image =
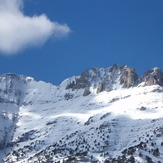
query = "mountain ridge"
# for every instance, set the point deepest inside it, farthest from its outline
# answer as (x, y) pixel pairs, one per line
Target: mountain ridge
(81, 119)
(128, 77)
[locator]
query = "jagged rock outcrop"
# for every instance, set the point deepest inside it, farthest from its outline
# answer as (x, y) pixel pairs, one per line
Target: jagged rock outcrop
(87, 91)
(152, 77)
(128, 77)
(81, 82)
(97, 80)
(105, 79)
(100, 87)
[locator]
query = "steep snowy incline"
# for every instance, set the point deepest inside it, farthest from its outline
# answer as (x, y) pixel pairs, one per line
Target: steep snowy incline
(15, 92)
(106, 114)
(98, 124)
(11, 93)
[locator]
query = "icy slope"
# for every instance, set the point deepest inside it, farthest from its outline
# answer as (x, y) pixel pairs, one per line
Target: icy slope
(82, 120)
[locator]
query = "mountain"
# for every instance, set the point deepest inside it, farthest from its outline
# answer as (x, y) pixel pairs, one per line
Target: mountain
(108, 115)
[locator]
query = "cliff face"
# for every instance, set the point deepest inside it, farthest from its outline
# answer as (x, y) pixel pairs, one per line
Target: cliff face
(128, 77)
(97, 80)
(152, 77)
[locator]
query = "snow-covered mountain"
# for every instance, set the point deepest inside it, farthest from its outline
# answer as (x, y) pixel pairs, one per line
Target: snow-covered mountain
(108, 115)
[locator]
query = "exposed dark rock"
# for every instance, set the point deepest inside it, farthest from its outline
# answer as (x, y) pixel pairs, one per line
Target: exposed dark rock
(26, 136)
(128, 77)
(100, 87)
(104, 125)
(68, 96)
(90, 120)
(142, 108)
(86, 91)
(114, 68)
(105, 79)
(114, 100)
(82, 82)
(50, 123)
(105, 115)
(71, 85)
(152, 77)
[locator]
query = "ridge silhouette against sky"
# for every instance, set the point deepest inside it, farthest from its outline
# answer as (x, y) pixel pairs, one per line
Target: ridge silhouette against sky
(98, 33)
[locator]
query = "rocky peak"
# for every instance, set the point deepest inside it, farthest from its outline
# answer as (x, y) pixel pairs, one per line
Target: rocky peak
(105, 79)
(14, 80)
(152, 77)
(96, 80)
(128, 77)
(114, 68)
(15, 77)
(12, 86)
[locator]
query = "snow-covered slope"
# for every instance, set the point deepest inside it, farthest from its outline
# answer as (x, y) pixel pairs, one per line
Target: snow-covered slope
(104, 115)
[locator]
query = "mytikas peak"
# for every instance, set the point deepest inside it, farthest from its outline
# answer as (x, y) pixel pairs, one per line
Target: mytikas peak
(105, 115)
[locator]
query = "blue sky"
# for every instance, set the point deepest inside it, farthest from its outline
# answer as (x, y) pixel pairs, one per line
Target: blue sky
(101, 33)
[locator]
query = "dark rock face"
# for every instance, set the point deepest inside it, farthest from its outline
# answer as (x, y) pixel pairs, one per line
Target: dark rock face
(113, 68)
(97, 78)
(128, 77)
(87, 91)
(100, 87)
(115, 77)
(82, 82)
(152, 77)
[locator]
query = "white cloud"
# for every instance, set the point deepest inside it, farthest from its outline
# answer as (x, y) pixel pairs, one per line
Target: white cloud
(18, 31)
